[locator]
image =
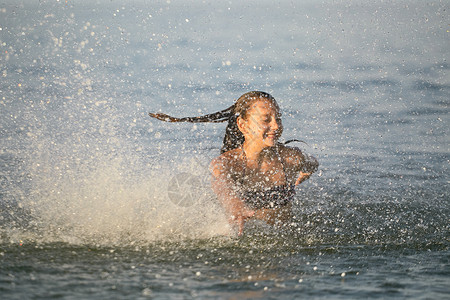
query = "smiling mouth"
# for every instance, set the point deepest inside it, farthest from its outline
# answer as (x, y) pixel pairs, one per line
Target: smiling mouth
(271, 136)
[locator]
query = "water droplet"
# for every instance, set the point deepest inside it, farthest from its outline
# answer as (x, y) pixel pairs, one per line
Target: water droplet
(146, 292)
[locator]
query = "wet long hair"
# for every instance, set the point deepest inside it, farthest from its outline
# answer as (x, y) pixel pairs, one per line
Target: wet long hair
(233, 136)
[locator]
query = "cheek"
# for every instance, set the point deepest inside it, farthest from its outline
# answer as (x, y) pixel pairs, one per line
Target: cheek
(261, 127)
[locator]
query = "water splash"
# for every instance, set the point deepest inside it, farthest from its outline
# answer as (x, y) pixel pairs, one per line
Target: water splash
(86, 181)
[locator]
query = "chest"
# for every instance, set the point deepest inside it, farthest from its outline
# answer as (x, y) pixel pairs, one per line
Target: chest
(264, 175)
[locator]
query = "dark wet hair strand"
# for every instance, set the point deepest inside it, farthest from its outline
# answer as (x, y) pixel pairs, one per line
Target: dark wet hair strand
(233, 136)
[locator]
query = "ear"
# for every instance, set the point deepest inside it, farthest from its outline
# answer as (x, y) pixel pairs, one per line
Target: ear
(241, 124)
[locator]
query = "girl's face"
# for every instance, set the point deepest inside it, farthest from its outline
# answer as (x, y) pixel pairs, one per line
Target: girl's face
(262, 125)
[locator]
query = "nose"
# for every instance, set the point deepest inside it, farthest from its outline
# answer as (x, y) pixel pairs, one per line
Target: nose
(275, 124)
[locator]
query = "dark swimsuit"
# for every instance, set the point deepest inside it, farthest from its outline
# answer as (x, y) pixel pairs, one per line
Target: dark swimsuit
(274, 197)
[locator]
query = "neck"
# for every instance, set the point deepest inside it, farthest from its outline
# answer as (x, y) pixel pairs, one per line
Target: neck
(252, 151)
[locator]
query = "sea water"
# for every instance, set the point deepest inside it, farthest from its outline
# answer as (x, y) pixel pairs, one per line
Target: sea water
(99, 201)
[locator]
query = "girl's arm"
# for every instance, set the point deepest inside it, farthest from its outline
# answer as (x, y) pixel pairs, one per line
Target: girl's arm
(301, 164)
(309, 165)
(223, 188)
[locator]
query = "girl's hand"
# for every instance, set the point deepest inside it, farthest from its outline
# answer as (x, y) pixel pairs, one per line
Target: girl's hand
(240, 217)
(302, 177)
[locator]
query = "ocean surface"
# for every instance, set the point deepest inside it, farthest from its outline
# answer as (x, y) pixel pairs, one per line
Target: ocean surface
(98, 200)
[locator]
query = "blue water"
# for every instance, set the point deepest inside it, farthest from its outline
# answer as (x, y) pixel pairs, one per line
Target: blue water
(99, 201)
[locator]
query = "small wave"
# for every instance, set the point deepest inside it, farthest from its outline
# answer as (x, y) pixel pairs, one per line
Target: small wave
(426, 111)
(423, 85)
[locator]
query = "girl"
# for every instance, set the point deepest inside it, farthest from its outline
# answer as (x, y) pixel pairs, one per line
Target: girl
(255, 175)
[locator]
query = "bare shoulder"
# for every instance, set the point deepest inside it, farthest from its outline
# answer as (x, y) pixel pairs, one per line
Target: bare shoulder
(291, 155)
(226, 162)
(296, 159)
